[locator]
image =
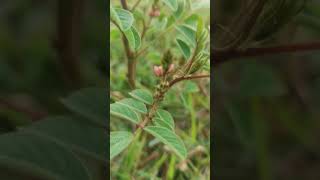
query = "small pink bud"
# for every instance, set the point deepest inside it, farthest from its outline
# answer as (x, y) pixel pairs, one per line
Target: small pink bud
(158, 70)
(156, 13)
(171, 68)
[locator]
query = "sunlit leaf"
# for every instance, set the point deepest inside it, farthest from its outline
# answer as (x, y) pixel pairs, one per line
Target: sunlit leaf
(142, 95)
(124, 112)
(119, 140)
(169, 138)
(133, 104)
(133, 38)
(163, 118)
(122, 17)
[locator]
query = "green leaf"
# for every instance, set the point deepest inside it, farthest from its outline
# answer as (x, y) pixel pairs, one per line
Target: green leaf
(199, 27)
(183, 46)
(142, 95)
(92, 142)
(164, 119)
(122, 17)
(192, 21)
(27, 155)
(119, 140)
(134, 105)
(169, 138)
(122, 111)
(90, 103)
(181, 5)
(173, 4)
(133, 38)
(187, 32)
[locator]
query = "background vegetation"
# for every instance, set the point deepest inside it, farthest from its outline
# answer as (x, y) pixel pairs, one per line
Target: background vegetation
(48, 51)
(266, 92)
(188, 102)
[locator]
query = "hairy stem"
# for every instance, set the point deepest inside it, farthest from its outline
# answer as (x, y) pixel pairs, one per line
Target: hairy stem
(188, 78)
(131, 57)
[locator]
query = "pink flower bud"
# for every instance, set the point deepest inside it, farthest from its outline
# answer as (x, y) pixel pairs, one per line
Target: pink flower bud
(158, 70)
(156, 13)
(171, 68)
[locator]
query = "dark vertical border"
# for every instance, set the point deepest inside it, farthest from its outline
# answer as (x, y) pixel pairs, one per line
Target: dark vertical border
(211, 91)
(107, 58)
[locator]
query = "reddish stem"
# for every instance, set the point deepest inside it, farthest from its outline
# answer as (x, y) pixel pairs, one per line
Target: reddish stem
(221, 56)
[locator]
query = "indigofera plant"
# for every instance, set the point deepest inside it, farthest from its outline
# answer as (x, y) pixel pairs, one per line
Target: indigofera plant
(143, 107)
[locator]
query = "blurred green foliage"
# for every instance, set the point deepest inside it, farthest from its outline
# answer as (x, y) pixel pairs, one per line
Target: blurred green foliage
(266, 107)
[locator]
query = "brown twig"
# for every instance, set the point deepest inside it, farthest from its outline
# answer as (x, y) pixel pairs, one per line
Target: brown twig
(131, 57)
(221, 56)
(135, 5)
(188, 78)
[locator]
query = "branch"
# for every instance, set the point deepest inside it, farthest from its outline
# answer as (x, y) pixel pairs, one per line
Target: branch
(135, 5)
(222, 56)
(188, 78)
(130, 55)
(124, 4)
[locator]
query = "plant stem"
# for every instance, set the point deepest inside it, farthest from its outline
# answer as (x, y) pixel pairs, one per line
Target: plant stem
(135, 5)
(131, 57)
(222, 56)
(188, 78)
(124, 4)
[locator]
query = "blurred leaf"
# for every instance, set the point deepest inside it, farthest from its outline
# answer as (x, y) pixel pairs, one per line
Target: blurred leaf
(191, 87)
(90, 103)
(260, 80)
(85, 137)
(173, 4)
(169, 138)
(119, 140)
(35, 156)
(181, 5)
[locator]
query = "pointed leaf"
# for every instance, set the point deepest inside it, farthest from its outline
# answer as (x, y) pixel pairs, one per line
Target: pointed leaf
(181, 5)
(119, 140)
(122, 17)
(133, 38)
(142, 95)
(188, 32)
(164, 118)
(183, 46)
(90, 103)
(134, 105)
(124, 112)
(173, 4)
(169, 138)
